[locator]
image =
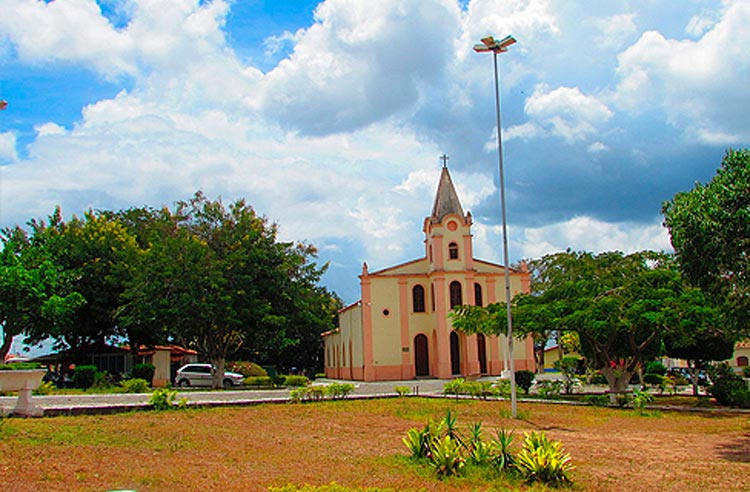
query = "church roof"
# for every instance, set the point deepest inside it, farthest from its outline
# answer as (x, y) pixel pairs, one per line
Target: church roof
(446, 198)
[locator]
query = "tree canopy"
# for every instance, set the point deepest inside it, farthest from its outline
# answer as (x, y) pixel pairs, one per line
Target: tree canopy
(710, 231)
(209, 276)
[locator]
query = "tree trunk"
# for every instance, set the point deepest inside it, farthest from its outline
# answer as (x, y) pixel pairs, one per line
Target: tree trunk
(217, 373)
(7, 342)
(693, 369)
(617, 380)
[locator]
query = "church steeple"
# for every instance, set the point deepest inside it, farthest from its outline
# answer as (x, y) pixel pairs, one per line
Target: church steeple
(446, 198)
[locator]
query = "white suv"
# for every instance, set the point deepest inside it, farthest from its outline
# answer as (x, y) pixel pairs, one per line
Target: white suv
(200, 375)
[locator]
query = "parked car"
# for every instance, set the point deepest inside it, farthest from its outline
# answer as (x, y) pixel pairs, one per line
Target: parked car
(200, 375)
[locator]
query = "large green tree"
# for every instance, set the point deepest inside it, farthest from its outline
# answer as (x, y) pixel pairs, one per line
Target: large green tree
(710, 231)
(218, 280)
(619, 305)
(34, 294)
(696, 332)
(92, 253)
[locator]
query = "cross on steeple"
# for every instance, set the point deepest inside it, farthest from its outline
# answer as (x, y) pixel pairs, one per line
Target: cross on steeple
(444, 158)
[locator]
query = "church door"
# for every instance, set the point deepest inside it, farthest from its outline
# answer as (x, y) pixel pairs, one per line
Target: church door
(455, 354)
(482, 353)
(421, 356)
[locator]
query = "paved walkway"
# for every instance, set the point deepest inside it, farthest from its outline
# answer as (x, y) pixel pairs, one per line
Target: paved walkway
(118, 402)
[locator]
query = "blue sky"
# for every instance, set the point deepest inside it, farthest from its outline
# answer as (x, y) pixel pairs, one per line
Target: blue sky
(329, 117)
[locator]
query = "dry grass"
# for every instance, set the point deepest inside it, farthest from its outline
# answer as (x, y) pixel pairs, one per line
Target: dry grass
(358, 443)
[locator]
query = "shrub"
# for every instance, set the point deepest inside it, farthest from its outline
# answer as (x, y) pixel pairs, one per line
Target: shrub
(446, 458)
(598, 378)
(502, 456)
(103, 380)
(259, 381)
(338, 391)
(294, 380)
(164, 399)
(247, 369)
(45, 388)
(20, 366)
(746, 372)
(728, 388)
(278, 380)
(655, 367)
(542, 460)
(640, 400)
(320, 375)
(135, 385)
(402, 390)
(549, 388)
(84, 376)
(653, 379)
(453, 387)
(143, 371)
(596, 400)
(524, 380)
(502, 387)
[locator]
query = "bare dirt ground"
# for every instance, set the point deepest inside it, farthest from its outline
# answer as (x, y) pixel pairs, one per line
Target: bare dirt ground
(358, 443)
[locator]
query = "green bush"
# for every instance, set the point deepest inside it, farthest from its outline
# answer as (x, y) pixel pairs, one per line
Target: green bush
(550, 388)
(338, 391)
(143, 371)
(84, 376)
(598, 378)
(320, 375)
(728, 388)
(655, 367)
(640, 400)
(596, 400)
(259, 381)
(135, 385)
(524, 380)
(293, 380)
(402, 390)
(453, 387)
(542, 460)
(20, 366)
(746, 372)
(446, 457)
(45, 388)
(247, 369)
(653, 379)
(164, 399)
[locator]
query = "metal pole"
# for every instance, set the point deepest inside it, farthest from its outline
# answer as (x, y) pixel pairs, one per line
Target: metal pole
(513, 399)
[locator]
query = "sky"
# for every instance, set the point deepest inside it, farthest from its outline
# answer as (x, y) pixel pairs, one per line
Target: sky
(330, 117)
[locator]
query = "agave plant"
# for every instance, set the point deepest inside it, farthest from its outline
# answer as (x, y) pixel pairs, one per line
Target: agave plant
(502, 456)
(543, 460)
(445, 457)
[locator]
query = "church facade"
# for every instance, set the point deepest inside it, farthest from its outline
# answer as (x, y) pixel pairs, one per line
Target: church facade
(400, 328)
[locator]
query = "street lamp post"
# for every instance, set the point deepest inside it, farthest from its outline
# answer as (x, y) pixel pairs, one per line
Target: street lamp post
(490, 44)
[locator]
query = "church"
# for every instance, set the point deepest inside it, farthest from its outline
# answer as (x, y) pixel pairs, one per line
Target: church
(400, 328)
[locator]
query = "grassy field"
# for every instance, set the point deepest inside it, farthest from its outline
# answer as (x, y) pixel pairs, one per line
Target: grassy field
(358, 443)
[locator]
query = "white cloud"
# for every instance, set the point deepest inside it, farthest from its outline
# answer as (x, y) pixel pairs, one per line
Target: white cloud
(359, 63)
(701, 85)
(615, 30)
(8, 147)
(49, 128)
(566, 112)
(585, 233)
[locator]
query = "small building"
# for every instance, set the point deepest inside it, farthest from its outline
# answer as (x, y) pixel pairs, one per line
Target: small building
(400, 328)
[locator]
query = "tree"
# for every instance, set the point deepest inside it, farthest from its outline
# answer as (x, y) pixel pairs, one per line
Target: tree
(33, 294)
(218, 280)
(91, 253)
(710, 231)
(695, 332)
(619, 305)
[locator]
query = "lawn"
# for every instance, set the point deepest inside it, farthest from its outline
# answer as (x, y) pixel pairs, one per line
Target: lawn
(358, 443)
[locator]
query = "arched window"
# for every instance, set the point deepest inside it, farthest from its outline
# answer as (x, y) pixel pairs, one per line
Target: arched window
(453, 251)
(417, 298)
(742, 361)
(456, 298)
(477, 294)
